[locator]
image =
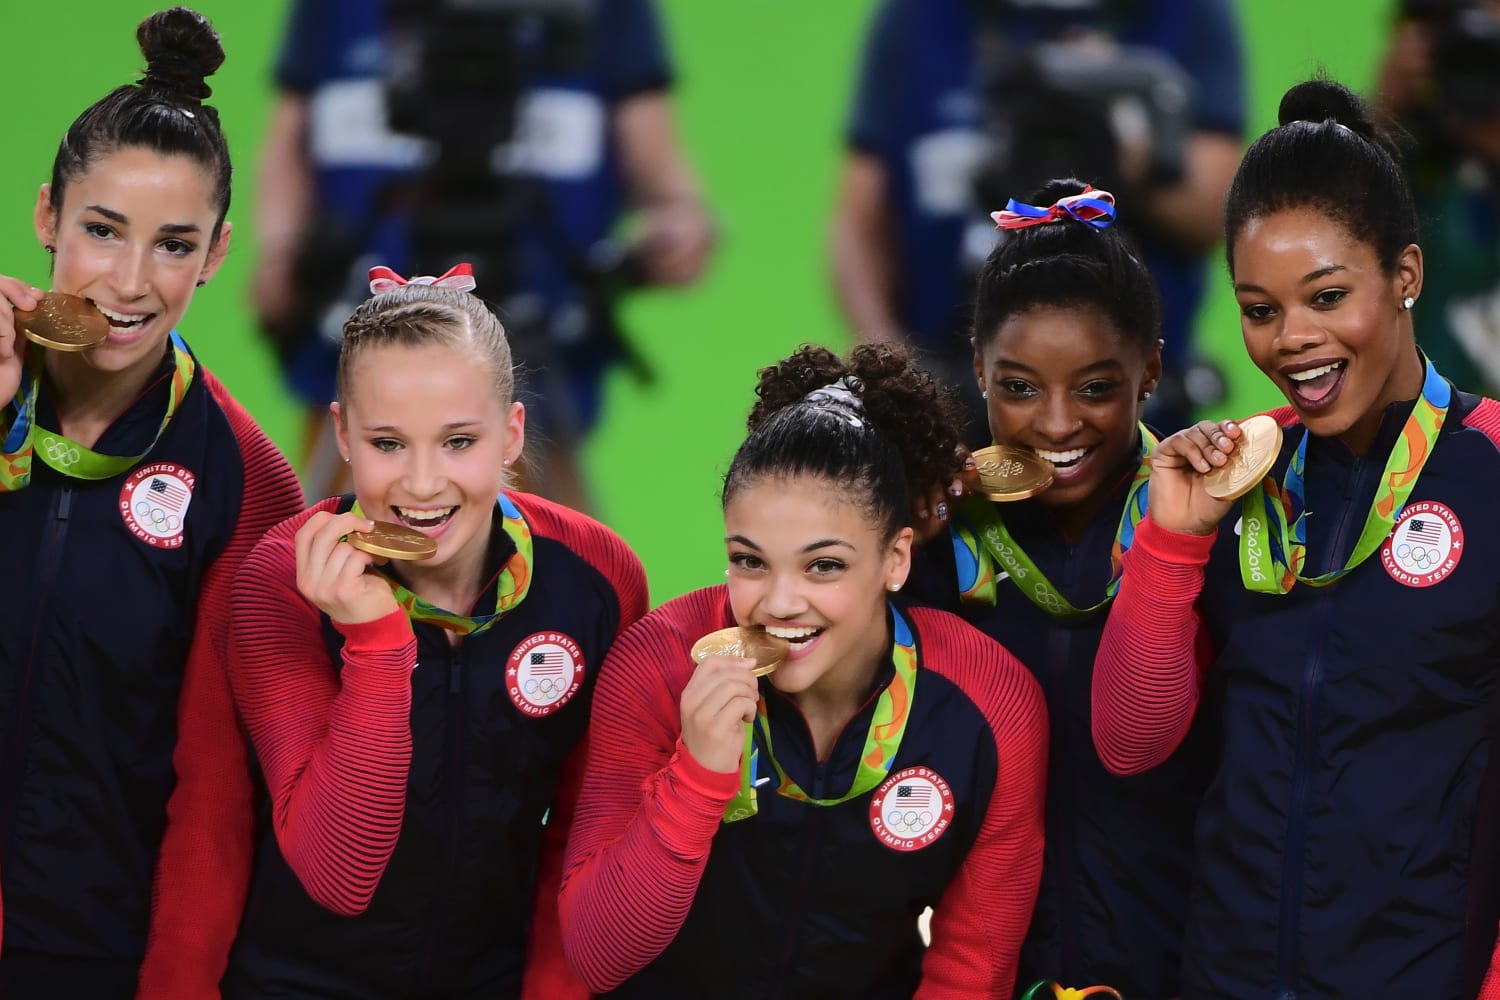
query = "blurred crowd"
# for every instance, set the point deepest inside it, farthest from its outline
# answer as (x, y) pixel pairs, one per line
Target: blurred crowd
(536, 139)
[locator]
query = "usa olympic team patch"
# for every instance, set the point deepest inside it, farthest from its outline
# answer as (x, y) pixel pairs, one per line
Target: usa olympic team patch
(544, 673)
(154, 503)
(911, 809)
(1425, 546)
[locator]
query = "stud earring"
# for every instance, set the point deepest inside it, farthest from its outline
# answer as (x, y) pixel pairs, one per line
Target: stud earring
(893, 587)
(984, 394)
(202, 283)
(346, 459)
(1145, 395)
(1408, 302)
(50, 248)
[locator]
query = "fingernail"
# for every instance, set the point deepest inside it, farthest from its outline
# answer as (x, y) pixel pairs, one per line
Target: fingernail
(969, 463)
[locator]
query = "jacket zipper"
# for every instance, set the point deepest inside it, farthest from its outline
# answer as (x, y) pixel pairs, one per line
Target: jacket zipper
(1302, 764)
(453, 790)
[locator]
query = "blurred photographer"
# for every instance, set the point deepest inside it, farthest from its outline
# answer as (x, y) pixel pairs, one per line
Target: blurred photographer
(1440, 79)
(516, 134)
(962, 104)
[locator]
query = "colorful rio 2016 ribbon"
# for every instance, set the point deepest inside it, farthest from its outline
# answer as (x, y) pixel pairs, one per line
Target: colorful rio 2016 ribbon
(1274, 524)
(982, 544)
(23, 440)
(883, 739)
(1064, 993)
(1090, 207)
(511, 585)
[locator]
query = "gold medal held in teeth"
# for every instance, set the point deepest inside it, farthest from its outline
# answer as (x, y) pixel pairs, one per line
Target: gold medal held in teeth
(1254, 454)
(64, 323)
(768, 651)
(394, 541)
(1008, 473)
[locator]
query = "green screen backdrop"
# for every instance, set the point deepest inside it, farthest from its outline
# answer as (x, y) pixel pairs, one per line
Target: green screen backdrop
(763, 88)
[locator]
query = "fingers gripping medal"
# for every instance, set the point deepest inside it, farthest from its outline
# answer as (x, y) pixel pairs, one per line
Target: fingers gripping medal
(1007, 473)
(768, 651)
(1254, 454)
(64, 323)
(394, 541)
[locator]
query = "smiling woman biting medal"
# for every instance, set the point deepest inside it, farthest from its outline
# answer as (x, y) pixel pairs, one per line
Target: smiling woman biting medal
(738, 832)
(132, 486)
(415, 665)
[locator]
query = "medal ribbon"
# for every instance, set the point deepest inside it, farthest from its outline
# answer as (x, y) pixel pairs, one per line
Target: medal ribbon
(1064, 993)
(1274, 527)
(883, 739)
(511, 585)
(982, 544)
(24, 441)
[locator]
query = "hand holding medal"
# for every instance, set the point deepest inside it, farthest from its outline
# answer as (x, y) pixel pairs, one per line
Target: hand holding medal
(20, 296)
(332, 571)
(1198, 473)
(718, 703)
(63, 322)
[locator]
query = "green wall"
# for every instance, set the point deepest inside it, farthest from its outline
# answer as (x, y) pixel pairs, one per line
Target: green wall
(763, 87)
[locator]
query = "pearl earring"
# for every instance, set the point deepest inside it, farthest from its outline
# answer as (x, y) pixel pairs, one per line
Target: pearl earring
(1145, 395)
(984, 394)
(1408, 302)
(346, 459)
(893, 587)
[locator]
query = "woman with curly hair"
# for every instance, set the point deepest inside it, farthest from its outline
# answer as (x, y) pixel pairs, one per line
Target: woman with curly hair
(739, 835)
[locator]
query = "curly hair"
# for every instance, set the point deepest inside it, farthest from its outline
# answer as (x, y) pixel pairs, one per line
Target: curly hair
(894, 436)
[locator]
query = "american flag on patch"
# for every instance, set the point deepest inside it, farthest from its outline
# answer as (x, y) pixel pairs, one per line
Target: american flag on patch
(169, 494)
(548, 663)
(1426, 531)
(914, 795)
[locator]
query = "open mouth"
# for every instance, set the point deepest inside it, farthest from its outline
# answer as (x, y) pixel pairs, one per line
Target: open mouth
(124, 323)
(798, 638)
(1315, 388)
(1062, 461)
(424, 520)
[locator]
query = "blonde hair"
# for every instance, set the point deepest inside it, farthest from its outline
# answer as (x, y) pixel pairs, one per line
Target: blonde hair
(422, 315)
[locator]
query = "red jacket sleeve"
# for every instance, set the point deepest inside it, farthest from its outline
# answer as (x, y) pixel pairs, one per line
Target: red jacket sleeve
(335, 745)
(983, 916)
(1149, 670)
(647, 815)
(548, 974)
(203, 869)
(1491, 988)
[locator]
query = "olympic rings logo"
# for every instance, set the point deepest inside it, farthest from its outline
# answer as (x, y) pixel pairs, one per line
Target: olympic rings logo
(61, 452)
(547, 687)
(156, 517)
(1415, 556)
(909, 821)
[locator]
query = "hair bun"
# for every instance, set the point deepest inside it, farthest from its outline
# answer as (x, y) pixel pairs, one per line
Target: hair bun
(1318, 101)
(181, 50)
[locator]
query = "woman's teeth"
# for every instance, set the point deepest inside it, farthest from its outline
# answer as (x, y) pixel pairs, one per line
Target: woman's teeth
(124, 321)
(1312, 373)
(1064, 458)
(424, 518)
(795, 636)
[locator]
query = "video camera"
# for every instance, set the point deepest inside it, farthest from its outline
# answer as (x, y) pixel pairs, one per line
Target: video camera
(1465, 55)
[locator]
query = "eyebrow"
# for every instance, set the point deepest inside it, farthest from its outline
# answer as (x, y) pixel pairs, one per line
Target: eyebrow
(1310, 276)
(1101, 365)
(450, 426)
(821, 543)
(174, 228)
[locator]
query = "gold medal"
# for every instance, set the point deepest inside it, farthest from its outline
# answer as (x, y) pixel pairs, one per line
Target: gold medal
(1009, 473)
(1254, 454)
(64, 323)
(768, 651)
(394, 541)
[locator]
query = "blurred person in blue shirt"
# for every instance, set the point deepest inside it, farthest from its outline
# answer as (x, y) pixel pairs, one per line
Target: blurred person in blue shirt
(516, 134)
(962, 104)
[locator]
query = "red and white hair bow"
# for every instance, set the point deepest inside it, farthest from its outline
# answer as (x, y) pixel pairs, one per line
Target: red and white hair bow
(459, 277)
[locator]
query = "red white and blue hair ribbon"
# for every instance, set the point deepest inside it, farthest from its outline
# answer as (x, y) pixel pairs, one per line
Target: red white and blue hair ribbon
(459, 277)
(1090, 207)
